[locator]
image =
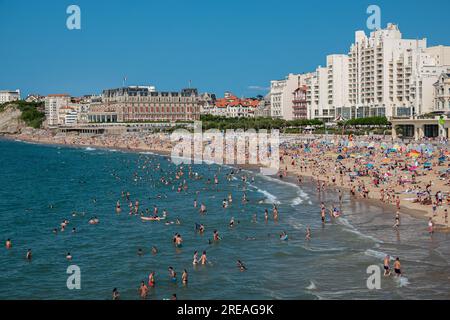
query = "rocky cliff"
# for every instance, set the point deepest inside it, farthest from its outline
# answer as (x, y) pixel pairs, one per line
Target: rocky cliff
(10, 121)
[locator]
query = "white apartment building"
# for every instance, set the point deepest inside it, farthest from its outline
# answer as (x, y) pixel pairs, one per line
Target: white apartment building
(9, 95)
(442, 93)
(317, 94)
(281, 95)
(391, 76)
(53, 103)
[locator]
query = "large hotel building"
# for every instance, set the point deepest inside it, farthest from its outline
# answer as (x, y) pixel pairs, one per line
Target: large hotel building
(382, 75)
(141, 104)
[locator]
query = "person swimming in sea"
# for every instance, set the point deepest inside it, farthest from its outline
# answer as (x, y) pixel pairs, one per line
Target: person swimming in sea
(8, 244)
(202, 208)
(231, 224)
(154, 250)
(397, 220)
(386, 266)
(178, 240)
(203, 258)
(29, 255)
(172, 274)
(68, 256)
(216, 236)
(397, 267)
(184, 277)
(241, 266)
(140, 253)
(308, 234)
(115, 294)
(143, 290)
(195, 259)
(151, 279)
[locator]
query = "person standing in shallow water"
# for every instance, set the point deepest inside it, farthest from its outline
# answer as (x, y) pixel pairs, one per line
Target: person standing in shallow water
(115, 294)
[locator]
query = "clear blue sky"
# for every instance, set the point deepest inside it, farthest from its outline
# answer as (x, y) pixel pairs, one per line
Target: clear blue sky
(219, 45)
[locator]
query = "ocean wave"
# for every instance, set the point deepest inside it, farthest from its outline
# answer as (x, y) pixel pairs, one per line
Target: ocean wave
(375, 254)
(362, 235)
(270, 198)
(312, 286)
(90, 149)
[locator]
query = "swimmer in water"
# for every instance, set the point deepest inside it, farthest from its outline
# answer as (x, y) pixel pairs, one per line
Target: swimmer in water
(68, 256)
(140, 252)
(397, 267)
(115, 294)
(386, 265)
(195, 260)
(143, 290)
(184, 277)
(308, 234)
(266, 215)
(241, 266)
(172, 274)
(151, 279)
(203, 258)
(154, 250)
(55, 231)
(216, 236)
(232, 222)
(201, 229)
(397, 220)
(29, 255)
(8, 244)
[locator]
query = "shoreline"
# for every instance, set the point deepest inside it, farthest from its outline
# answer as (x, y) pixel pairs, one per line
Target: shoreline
(291, 173)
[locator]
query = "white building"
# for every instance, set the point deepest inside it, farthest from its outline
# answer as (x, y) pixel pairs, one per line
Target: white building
(281, 95)
(391, 76)
(53, 103)
(9, 95)
(442, 93)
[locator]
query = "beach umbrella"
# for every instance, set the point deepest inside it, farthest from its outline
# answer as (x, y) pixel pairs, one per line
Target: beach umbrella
(340, 157)
(412, 168)
(369, 165)
(427, 165)
(386, 160)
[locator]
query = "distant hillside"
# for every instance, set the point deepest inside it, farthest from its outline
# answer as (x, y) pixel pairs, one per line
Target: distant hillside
(14, 116)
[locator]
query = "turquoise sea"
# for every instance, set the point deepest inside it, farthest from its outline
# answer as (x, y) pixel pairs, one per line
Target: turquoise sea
(40, 186)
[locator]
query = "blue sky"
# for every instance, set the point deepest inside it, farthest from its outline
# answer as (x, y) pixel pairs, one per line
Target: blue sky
(219, 45)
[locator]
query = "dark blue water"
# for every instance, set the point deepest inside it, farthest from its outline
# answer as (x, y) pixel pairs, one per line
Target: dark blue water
(42, 185)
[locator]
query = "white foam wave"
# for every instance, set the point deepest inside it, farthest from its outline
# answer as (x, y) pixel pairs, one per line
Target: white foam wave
(312, 286)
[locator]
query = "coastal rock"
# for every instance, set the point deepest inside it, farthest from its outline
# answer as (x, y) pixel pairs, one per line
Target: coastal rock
(10, 122)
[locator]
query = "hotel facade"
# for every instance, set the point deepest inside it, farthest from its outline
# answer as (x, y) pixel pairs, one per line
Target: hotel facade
(382, 75)
(145, 104)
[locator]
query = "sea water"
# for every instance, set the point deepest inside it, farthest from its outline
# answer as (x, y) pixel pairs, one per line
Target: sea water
(42, 185)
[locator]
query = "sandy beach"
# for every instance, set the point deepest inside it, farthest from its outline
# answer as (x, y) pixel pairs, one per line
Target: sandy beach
(371, 169)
